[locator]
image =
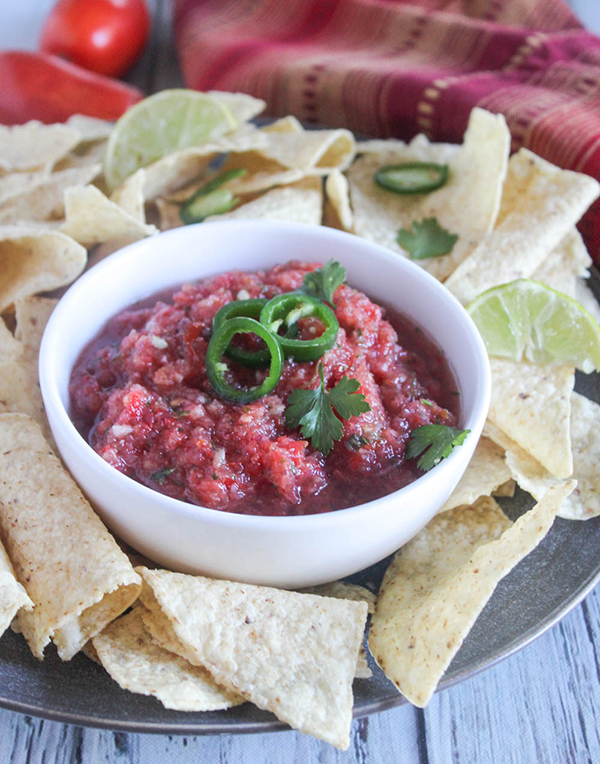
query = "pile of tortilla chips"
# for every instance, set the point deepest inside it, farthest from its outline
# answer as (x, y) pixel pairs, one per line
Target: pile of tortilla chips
(198, 644)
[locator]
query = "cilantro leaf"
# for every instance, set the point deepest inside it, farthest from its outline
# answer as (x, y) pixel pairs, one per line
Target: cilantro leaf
(323, 282)
(436, 440)
(314, 411)
(426, 239)
(161, 475)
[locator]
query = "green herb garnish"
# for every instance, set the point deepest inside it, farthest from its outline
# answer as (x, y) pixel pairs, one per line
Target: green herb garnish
(436, 440)
(323, 282)
(161, 475)
(314, 411)
(426, 239)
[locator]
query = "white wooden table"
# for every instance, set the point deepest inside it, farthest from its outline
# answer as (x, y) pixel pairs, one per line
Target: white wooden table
(540, 705)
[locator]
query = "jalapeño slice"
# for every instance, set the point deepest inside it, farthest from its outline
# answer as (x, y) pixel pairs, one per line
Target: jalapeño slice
(285, 310)
(412, 177)
(250, 309)
(210, 199)
(216, 369)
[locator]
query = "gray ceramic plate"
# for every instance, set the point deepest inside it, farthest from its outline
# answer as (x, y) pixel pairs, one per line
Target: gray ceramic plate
(534, 596)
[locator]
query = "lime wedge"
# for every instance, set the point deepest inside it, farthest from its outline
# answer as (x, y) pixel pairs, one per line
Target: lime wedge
(526, 320)
(159, 125)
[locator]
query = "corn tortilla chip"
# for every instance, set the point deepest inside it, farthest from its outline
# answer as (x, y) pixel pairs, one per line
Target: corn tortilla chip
(10, 348)
(90, 129)
(34, 145)
(337, 191)
(71, 567)
(541, 203)
(506, 489)
(477, 171)
(243, 107)
(532, 404)
(36, 259)
(126, 650)
(13, 596)
(300, 202)
(318, 150)
(487, 471)
(289, 653)
(287, 124)
(92, 218)
(567, 262)
(440, 581)
(131, 197)
(44, 198)
(584, 502)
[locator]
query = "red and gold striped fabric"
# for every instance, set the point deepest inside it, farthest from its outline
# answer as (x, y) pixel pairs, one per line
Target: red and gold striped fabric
(395, 68)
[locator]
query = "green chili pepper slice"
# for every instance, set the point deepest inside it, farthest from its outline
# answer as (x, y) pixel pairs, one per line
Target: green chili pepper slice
(412, 177)
(210, 199)
(285, 310)
(215, 368)
(250, 309)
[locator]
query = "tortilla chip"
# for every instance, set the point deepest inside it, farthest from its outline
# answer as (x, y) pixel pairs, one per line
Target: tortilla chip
(10, 348)
(131, 197)
(420, 149)
(243, 107)
(126, 650)
(287, 124)
(92, 218)
(337, 191)
(300, 202)
(35, 259)
(343, 590)
(487, 471)
(90, 129)
(567, 262)
(71, 567)
(180, 168)
(584, 502)
(437, 585)
(319, 151)
(540, 205)
(34, 145)
(477, 171)
(532, 404)
(506, 489)
(13, 596)
(44, 198)
(292, 654)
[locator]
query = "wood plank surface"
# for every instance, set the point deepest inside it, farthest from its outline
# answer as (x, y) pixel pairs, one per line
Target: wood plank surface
(540, 705)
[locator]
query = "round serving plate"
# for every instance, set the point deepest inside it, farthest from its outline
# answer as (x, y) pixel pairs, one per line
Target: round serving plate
(542, 589)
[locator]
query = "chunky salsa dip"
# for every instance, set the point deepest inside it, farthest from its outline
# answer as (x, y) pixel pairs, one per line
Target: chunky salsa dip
(140, 395)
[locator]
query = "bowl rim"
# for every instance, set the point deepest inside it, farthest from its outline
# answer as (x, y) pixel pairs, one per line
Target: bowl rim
(53, 402)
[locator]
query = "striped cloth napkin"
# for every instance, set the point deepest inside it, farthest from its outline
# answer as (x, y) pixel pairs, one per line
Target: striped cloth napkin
(396, 68)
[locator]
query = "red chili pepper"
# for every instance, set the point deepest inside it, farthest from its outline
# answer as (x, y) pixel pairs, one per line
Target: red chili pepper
(44, 87)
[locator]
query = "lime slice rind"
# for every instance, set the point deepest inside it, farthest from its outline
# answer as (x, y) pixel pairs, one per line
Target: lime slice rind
(160, 125)
(526, 320)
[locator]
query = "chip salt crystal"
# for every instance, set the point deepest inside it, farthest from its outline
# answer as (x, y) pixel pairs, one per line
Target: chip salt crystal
(289, 653)
(440, 581)
(71, 567)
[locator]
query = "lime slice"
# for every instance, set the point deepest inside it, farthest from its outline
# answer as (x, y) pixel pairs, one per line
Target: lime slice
(526, 320)
(159, 125)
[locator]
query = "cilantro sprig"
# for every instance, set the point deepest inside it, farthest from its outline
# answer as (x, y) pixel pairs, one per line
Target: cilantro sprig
(323, 282)
(314, 411)
(426, 239)
(435, 442)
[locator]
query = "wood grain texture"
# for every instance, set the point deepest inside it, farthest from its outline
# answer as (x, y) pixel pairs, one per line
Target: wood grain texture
(540, 705)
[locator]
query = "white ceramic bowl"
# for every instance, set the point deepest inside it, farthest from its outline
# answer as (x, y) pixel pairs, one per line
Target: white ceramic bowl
(280, 551)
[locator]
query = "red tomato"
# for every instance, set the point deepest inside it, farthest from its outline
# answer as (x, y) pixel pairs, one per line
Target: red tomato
(104, 36)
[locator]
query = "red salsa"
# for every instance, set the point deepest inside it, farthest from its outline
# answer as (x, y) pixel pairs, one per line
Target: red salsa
(140, 395)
